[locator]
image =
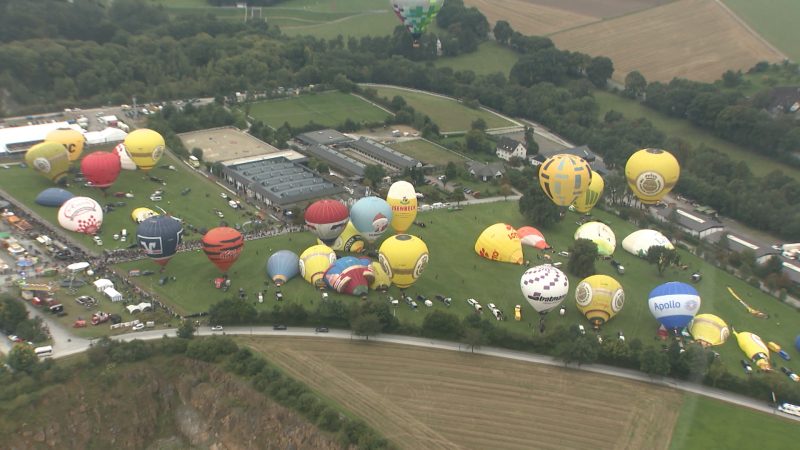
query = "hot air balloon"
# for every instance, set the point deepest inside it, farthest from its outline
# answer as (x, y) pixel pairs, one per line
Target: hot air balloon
(53, 197)
(101, 168)
(145, 148)
(159, 237)
(532, 237)
(584, 203)
(282, 266)
(599, 298)
(600, 234)
(640, 241)
(544, 287)
(49, 159)
(415, 15)
(381, 282)
(71, 139)
(371, 216)
(139, 215)
(564, 178)
(403, 199)
(755, 349)
(709, 330)
(124, 159)
(674, 304)
(327, 219)
(348, 241)
(350, 275)
(223, 245)
(500, 242)
(651, 174)
(81, 214)
(314, 261)
(403, 257)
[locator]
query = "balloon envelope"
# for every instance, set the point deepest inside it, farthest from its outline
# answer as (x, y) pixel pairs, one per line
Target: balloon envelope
(564, 178)
(403, 200)
(350, 275)
(139, 215)
(381, 282)
(403, 257)
(544, 287)
(50, 159)
(585, 202)
(599, 298)
(674, 304)
(145, 148)
(314, 261)
(222, 246)
(500, 242)
(327, 219)
(81, 214)
(532, 237)
(53, 197)
(282, 266)
(755, 349)
(101, 168)
(640, 241)
(416, 15)
(159, 237)
(371, 216)
(71, 139)
(600, 234)
(348, 241)
(709, 329)
(651, 174)
(124, 159)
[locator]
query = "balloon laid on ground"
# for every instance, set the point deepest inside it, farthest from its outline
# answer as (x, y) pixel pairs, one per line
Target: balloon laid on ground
(755, 349)
(50, 159)
(348, 241)
(124, 159)
(599, 298)
(651, 174)
(314, 261)
(159, 237)
(371, 216)
(403, 200)
(403, 258)
(350, 275)
(416, 15)
(282, 266)
(381, 280)
(327, 219)
(584, 203)
(81, 214)
(640, 241)
(674, 304)
(222, 246)
(72, 140)
(797, 343)
(101, 168)
(139, 215)
(53, 197)
(500, 242)
(600, 234)
(145, 148)
(709, 330)
(564, 178)
(544, 287)
(532, 237)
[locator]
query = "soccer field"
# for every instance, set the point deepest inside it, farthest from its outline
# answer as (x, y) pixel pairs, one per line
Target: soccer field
(327, 108)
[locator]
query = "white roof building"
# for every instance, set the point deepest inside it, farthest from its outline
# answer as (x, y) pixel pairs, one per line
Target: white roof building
(105, 136)
(20, 139)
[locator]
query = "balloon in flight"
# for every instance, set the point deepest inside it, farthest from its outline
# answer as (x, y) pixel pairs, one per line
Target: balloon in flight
(403, 258)
(651, 174)
(145, 148)
(159, 237)
(544, 287)
(371, 216)
(500, 242)
(71, 139)
(314, 261)
(282, 266)
(50, 159)
(600, 234)
(222, 246)
(402, 198)
(674, 304)
(327, 219)
(101, 168)
(416, 15)
(564, 178)
(81, 214)
(709, 330)
(585, 202)
(599, 298)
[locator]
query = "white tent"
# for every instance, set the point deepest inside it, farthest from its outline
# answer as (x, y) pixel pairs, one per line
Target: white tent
(103, 284)
(141, 307)
(113, 294)
(104, 136)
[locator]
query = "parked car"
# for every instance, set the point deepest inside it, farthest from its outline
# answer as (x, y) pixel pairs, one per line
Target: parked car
(474, 303)
(138, 327)
(321, 329)
(581, 329)
(748, 369)
(223, 195)
(279, 327)
(216, 328)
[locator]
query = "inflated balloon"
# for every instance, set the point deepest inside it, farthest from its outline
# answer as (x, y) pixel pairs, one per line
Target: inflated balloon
(145, 148)
(640, 241)
(532, 237)
(381, 280)
(403, 257)
(416, 15)
(349, 241)
(53, 197)
(350, 275)
(71, 139)
(584, 203)
(49, 159)
(327, 219)
(371, 216)
(651, 174)
(101, 168)
(564, 178)
(159, 237)
(282, 266)
(544, 287)
(674, 304)
(599, 298)
(314, 261)
(81, 214)
(222, 246)
(124, 159)
(139, 215)
(600, 234)
(755, 349)
(500, 242)
(709, 330)
(403, 200)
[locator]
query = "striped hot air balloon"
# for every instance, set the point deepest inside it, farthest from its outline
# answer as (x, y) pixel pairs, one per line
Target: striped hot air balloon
(222, 246)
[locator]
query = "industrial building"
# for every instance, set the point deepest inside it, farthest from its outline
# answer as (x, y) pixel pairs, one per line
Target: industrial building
(17, 140)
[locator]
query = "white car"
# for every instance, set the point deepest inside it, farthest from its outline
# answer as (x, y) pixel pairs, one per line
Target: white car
(474, 303)
(491, 306)
(216, 328)
(497, 314)
(223, 195)
(97, 240)
(220, 215)
(581, 330)
(138, 327)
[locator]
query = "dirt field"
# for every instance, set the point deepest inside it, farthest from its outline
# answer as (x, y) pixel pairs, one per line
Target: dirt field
(596, 9)
(421, 398)
(529, 18)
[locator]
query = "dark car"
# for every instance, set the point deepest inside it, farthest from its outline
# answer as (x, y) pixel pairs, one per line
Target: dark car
(321, 329)
(748, 369)
(279, 327)
(186, 191)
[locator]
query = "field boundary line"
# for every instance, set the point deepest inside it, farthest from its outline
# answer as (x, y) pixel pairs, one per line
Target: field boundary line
(749, 29)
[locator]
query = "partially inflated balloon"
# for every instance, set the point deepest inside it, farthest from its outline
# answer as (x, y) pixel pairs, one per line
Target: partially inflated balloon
(53, 197)
(403, 199)
(403, 257)
(49, 159)
(222, 246)
(708, 329)
(640, 241)
(159, 237)
(125, 160)
(81, 214)
(584, 203)
(101, 168)
(350, 275)
(314, 261)
(349, 241)
(416, 15)
(72, 140)
(600, 234)
(139, 215)
(651, 174)
(544, 287)
(755, 349)
(532, 237)
(145, 147)
(371, 216)
(564, 178)
(381, 282)
(327, 219)
(500, 242)
(599, 298)
(282, 266)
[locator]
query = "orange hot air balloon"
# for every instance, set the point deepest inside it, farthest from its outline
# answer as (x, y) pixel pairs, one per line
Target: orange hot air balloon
(223, 245)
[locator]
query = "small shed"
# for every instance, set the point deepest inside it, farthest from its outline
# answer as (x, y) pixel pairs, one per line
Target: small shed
(102, 284)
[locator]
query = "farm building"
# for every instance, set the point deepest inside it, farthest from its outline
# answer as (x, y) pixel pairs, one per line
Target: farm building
(336, 160)
(508, 148)
(486, 171)
(17, 140)
(761, 253)
(390, 158)
(323, 137)
(594, 160)
(695, 224)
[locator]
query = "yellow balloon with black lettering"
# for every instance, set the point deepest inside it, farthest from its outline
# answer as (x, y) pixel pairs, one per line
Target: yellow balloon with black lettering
(72, 140)
(381, 282)
(599, 298)
(651, 174)
(402, 198)
(50, 159)
(314, 261)
(586, 202)
(403, 257)
(564, 178)
(145, 147)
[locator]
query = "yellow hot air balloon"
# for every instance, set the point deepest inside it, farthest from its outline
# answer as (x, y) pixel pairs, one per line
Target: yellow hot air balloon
(381, 282)
(599, 298)
(651, 174)
(755, 349)
(145, 147)
(500, 242)
(403, 257)
(709, 330)
(72, 140)
(49, 159)
(139, 215)
(314, 262)
(564, 178)
(349, 241)
(403, 199)
(586, 202)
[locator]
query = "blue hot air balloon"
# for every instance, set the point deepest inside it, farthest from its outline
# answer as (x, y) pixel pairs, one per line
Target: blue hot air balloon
(371, 216)
(674, 304)
(350, 275)
(159, 237)
(282, 266)
(53, 197)
(797, 342)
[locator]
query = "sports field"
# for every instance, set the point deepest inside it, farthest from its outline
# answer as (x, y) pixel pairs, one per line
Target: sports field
(428, 152)
(436, 399)
(491, 57)
(775, 20)
(330, 108)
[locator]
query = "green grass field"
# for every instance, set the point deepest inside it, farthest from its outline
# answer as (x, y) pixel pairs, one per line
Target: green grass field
(760, 165)
(428, 152)
(491, 57)
(705, 423)
(327, 108)
(450, 115)
(775, 20)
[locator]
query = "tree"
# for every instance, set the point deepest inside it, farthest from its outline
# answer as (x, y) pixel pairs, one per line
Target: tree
(530, 141)
(186, 329)
(442, 325)
(374, 173)
(502, 32)
(197, 153)
(581, 350)
(451, 171)
(599, 71)
(22, 358)
(505, 190)
(635, 84)
(366, 325)
(476, 141)
(538, 209)
(662, 257)
(12, 313)
(478, 124)
(654, 362)
(582, 256)
(473, 337)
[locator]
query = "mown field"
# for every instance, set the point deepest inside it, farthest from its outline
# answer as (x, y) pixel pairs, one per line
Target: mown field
(491, 57)
(775, 20)
(428, 152)
(326, 108)
(436, 399)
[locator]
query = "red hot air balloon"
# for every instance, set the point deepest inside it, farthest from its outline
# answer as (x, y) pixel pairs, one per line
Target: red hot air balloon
(101, 168)
(223, 245)
(327, 219)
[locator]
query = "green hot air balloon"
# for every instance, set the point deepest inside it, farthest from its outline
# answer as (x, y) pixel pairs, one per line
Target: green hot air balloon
(50, 159)
(416, 15)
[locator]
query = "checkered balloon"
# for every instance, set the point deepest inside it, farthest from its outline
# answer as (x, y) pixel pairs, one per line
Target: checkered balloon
(544, 287)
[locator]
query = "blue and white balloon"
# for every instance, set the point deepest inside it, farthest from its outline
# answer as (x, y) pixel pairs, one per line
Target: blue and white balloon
(674, 304)
(371, 216)
(282, 266)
